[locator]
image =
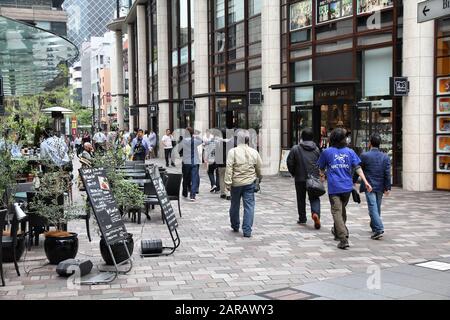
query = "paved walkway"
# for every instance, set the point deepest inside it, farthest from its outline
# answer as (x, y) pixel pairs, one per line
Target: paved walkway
(281, 260)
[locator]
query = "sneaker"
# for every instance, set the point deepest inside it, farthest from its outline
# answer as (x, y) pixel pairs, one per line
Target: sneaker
(377, 235)
(343, 244)
(301, 221)
(247, 235)
(173, 165)
(316, 219)
(236, 230)
(192, 199)
(228, 198)
(334, 233)
(213, 189)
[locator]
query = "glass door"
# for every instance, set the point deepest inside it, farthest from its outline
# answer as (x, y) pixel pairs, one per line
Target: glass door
(301, 118)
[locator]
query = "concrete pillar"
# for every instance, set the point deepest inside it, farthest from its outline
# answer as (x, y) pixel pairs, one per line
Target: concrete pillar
(142, 65)
(418, 66)
(118, 82)
(131, 71)
(163, 68)
(201, 64)
(271, 67)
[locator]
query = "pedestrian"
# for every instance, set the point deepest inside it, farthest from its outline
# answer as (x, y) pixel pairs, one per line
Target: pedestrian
(139, 147)
(55, 151)
(209, 143)
(151, 138)
(99, 140)
(340, 162)
(377, 168)
(191, 163)
(87, 155)
(242, 171)
(302, 162)
(86, 138)
(78, 144)
(223, 146)
(167, 143)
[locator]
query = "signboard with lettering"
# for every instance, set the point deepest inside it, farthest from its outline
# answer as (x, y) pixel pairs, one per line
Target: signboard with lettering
(432, 9)
(104, 205)
(188, 105)
(152, 110)
(399, 86)
(254, 98)
(332, 94)
(164, 202)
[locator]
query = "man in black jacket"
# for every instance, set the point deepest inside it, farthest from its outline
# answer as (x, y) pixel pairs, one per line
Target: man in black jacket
(305, 154)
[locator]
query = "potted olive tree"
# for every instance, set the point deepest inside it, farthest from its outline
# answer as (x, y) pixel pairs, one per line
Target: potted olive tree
(48, 204)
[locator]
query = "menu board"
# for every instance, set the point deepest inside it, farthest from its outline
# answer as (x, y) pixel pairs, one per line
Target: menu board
(104, 205)
(333, 9)
(164, 202)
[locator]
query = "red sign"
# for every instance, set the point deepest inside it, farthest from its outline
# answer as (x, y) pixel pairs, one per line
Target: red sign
(74, 132)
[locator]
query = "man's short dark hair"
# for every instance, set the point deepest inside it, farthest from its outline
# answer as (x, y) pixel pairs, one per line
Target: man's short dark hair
(140, 130)
(338, 138)
(375, 140)
(307, 134)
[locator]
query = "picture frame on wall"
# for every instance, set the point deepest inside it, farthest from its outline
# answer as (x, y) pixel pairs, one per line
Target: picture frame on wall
(443, 105)
(443, 125)
(443, 163)
(443, 86)
(443, 144)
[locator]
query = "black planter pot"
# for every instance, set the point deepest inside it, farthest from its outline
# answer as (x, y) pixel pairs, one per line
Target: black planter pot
(58, 249)
(119, 252)
(8, 252)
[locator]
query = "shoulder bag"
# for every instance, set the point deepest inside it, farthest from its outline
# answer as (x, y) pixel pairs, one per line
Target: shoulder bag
(314, 186)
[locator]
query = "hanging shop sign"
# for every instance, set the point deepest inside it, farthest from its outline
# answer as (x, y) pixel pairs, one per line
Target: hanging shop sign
(254, 98)
(188, 105)
(153, 110)
(300, 15)
(328, 10)
(399, 86)
(432, 9)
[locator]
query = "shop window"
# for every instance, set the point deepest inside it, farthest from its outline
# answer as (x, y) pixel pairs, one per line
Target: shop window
(302, 70)
(301, 53)
(255, 79)
(443, 66)
(377, 69)
(254, 62)
(443, 47)
(300, 15)
(174, 19)
(443, 27)
(220, 84)
(236, 66)
(184, 28)
(236, 81)
(254, 49)
(334, 66)
(301, 36)
(374, 39)
(236, 36)
(175, 58)
(236, 54)
(184, 58)
(336, 29)
(254, 7)
(184, 91)
(236, 11)
(220, 14)
(331, 10)
(335, 46)
(254, 29)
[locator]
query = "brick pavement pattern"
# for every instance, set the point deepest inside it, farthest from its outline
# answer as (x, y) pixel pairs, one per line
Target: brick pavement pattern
(215, 263)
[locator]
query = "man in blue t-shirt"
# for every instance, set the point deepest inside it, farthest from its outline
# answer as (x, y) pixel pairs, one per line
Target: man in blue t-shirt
(340, 162)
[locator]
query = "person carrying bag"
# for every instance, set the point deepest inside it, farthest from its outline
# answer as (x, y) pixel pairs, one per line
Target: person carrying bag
(301, 163)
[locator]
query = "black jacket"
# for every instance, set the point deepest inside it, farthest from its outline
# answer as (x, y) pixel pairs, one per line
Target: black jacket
(295, 162)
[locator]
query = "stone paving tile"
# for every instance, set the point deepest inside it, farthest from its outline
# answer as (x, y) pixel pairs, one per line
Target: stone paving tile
(214, 262)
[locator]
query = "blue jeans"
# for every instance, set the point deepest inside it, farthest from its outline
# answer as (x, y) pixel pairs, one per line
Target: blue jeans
(374, 203)
(247, 193)
(195, 179)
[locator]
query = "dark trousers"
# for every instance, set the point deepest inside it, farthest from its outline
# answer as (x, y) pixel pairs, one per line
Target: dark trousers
(168, 156)
(213, 174)
(191, 179)
(300, 188)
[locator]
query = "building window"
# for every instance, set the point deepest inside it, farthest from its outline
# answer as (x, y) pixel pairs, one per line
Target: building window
(377, 66)
(300, 15)
(331, 10)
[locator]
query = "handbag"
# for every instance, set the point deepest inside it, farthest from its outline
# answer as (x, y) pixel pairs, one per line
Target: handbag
(355, 195)
(314, 186)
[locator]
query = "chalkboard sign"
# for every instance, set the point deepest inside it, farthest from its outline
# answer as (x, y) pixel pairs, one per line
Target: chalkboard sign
(104, 205)
(161, 193)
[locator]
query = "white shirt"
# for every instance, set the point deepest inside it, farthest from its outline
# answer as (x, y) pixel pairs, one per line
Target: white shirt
(99, 137)
(167, 141)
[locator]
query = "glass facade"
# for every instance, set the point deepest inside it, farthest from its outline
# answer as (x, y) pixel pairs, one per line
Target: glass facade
(336, 71)
(235, 62)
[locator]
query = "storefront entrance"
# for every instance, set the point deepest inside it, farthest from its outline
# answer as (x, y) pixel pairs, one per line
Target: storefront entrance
(231, 113)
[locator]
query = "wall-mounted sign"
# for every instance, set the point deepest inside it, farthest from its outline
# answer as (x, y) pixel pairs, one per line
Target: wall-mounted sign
(300, 15)
(333, 9)
(254, 98)
(432, 9)
(443, 86)
(236, 104)
(152, 110)
(331, 94)
(399, 86)
(188, 105)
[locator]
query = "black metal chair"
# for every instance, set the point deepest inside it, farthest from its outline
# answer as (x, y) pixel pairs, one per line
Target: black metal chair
(9, 242)
(173, 186)
(151, 199)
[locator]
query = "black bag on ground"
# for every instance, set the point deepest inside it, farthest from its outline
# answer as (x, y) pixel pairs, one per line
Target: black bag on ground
(355, 195)
(314, 186)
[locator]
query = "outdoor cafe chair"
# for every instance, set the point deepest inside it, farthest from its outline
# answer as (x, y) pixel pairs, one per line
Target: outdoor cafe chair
(173, 186)
(9, 241)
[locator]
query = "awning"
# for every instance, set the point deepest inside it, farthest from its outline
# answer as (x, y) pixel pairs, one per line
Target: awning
(312, 83)
(29, 57)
